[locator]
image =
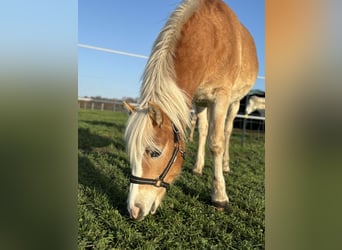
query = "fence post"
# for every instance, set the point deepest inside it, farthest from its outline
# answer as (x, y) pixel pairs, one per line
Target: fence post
(92, 106)
(102, 105)
(243, 131)
(244, 124)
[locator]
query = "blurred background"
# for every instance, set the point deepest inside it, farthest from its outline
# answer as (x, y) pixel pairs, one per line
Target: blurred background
(38, 104)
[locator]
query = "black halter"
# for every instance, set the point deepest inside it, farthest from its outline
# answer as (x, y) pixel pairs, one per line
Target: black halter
(159, 182)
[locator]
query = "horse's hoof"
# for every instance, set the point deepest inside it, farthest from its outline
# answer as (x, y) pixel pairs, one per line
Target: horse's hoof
(220, 205)
(226, 172)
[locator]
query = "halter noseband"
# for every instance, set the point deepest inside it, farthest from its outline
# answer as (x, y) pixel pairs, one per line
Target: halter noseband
(159, 182)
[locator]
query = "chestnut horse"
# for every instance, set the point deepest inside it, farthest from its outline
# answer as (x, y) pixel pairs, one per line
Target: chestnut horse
(205, 56)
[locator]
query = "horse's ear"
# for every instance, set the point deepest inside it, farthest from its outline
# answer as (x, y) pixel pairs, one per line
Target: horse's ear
(129, 107)
(155, 113)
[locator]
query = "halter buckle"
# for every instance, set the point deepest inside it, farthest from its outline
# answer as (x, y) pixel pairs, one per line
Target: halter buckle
(158, 183)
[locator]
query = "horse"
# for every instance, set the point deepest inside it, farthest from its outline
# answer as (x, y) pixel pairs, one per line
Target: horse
(202, 56)
(255, 103)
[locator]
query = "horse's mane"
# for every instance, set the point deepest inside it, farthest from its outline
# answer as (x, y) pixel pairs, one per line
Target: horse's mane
(159, 84)
(159, 76)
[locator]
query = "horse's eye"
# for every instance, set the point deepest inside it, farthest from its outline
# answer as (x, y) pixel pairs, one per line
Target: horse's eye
(155, 154)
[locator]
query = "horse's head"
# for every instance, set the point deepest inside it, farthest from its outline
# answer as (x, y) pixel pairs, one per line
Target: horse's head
(255, 103)
(250, 105)
(155, 150)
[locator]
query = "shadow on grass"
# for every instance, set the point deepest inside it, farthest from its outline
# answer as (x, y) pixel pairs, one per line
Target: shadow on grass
(194, 186)
(87, 140)
(119, 127)
(119, 143)
(90, 176)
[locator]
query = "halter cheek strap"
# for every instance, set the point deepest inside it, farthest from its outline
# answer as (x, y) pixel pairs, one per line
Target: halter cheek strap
(159, 182)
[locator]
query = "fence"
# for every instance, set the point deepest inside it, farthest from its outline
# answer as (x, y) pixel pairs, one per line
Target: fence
(96, 104)
(252, 122)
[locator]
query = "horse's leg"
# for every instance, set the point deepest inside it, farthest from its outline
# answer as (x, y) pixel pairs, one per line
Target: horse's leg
(202, 138)
(218, 112)
(233, 109)
(193, 126)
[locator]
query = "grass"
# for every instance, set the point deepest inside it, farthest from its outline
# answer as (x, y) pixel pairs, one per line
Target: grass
(186, 218)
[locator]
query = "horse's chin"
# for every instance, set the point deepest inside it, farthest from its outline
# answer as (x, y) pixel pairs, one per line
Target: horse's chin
(157, 202)
(154, 207)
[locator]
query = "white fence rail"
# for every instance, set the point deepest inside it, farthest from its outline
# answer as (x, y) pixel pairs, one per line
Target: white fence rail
(252, 117)
(96, 104)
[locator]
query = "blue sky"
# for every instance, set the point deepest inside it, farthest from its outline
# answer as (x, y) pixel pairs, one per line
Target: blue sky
(132, 26)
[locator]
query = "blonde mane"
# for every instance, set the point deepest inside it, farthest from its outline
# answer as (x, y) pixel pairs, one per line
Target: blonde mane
(159, 85)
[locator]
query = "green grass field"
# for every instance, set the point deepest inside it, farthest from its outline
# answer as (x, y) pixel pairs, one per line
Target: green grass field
(186, 218)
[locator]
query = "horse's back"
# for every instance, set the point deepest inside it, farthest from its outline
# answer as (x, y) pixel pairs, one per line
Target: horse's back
(214, 52)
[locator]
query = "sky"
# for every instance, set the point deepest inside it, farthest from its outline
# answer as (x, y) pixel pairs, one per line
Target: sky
(132, 26)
